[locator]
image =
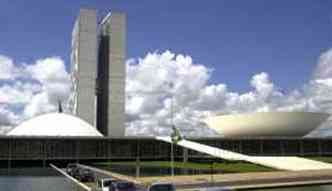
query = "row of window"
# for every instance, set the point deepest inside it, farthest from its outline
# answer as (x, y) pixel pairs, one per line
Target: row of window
(103, 148)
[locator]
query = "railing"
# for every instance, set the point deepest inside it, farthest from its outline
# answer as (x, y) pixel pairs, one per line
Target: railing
(78, 186)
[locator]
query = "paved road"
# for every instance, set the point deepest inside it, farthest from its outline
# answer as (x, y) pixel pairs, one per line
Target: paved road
(106, 174)
(235, 180)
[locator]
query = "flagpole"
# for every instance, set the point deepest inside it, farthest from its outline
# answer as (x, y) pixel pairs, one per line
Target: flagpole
(172, 145)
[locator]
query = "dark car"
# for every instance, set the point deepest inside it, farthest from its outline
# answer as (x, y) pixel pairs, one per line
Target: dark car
(122, 186)
(161, 187)
(71, 167)
(75, 173)
(84, 175)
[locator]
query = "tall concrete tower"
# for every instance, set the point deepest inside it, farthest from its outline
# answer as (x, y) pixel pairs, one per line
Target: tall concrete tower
(83, 66)
(111, 75)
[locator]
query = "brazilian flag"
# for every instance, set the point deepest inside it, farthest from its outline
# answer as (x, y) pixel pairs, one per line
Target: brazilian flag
(176, 135)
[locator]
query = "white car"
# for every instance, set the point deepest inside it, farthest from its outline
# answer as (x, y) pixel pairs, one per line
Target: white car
(104, 184)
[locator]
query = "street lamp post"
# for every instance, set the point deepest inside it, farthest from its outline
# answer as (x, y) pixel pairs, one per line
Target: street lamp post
(172, 159)
(170, 84)
(172, 123)
(175, 135)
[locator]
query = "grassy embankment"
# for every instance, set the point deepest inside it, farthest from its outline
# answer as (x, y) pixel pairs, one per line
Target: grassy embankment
(226, 167)
(322, 159)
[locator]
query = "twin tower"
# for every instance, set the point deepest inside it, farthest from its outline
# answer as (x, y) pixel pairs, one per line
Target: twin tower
(98, 71)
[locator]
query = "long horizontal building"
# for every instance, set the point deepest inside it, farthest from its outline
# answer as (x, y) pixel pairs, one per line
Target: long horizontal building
(64, 149)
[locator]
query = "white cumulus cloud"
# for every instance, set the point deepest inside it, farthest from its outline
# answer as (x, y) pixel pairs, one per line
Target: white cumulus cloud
(27, 90)
(7, 68)
(150, 96)
(162, 88)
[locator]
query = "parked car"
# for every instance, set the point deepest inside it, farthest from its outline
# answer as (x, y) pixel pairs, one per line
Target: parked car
(104, 184)
(86, 175)
(83, 174)
(161, 187)
(70, 168)
(75, 173)
(122, 186)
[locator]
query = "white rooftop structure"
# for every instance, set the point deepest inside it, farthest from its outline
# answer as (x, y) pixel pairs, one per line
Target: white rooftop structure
(267, 124)
(55, 124)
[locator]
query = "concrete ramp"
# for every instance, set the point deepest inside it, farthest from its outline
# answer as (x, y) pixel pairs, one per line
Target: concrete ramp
(278, 162)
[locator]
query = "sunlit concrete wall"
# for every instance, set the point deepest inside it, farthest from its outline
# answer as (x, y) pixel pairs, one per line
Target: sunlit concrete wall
(83, 66)
(112, 54)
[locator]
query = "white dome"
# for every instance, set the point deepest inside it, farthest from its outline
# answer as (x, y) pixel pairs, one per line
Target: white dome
(54, 124)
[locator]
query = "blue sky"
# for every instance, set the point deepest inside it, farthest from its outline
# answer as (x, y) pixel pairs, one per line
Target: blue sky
(236, 38)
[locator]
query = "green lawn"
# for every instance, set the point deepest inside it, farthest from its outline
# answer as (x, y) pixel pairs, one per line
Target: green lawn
(227, 167)
(323, 159)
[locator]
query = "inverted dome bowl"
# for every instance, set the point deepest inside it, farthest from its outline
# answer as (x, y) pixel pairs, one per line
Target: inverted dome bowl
(267, 124)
